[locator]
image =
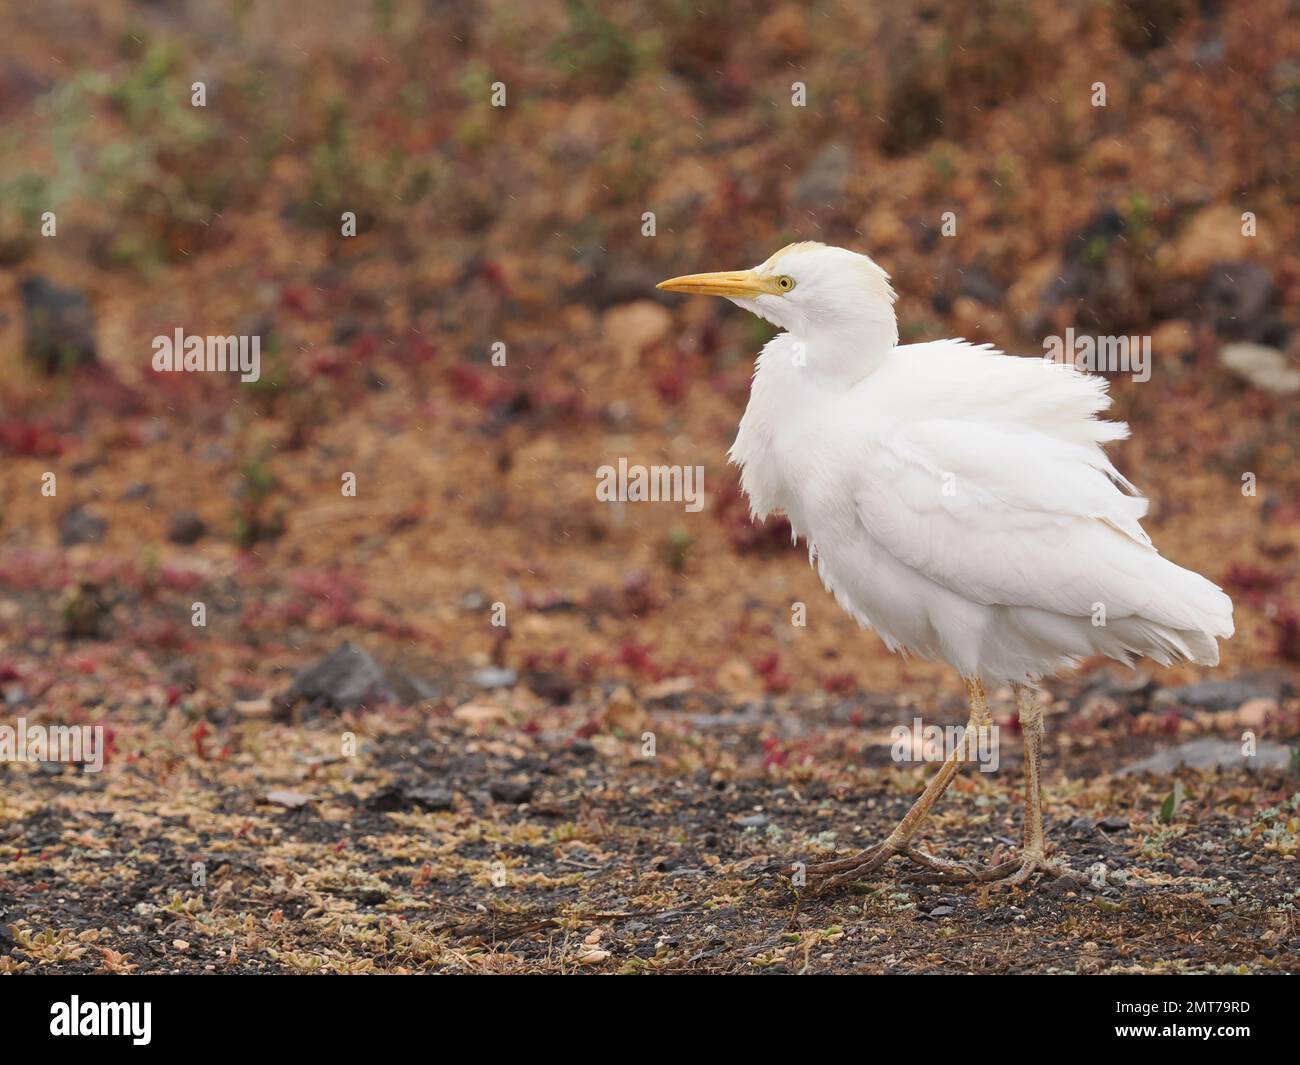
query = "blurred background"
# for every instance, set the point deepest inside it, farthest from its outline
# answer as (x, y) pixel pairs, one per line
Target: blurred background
(525, 225)
(469, 717)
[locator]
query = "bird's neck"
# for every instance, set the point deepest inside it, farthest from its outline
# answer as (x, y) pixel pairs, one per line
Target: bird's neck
(838, 356)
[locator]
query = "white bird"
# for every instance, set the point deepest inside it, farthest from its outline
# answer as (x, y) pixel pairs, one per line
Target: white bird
(956, 500)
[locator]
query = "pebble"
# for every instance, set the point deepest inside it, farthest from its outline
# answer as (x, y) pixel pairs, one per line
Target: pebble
(514, 792)
(490, 677)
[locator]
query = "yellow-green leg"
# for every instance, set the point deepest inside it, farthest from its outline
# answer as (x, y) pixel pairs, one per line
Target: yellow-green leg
(1033, 855)
(899, 841)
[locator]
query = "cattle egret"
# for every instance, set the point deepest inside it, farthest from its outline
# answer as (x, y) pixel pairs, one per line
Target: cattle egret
(957, 501)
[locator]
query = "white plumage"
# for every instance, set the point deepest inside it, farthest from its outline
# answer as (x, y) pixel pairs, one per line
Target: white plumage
(958, 501)
(955, 499)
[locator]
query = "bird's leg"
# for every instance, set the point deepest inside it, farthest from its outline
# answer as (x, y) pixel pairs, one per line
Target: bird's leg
(1031, 728)
(1033, 856)
(899, 841)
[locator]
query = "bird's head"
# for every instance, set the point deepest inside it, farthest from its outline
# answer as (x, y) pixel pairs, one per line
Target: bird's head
(809, 289)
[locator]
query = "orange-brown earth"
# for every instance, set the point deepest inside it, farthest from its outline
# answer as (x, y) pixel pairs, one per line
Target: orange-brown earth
(476, 483)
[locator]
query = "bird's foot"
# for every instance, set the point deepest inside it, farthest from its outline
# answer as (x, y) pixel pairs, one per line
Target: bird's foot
(1004, 874)
(941, 866)
(827, 876)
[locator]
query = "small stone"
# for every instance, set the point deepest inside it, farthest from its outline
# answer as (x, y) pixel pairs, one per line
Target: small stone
(1113, 824)
(1255, 713)
(1220, 695)
(479, 714)
(386, 799)
(490, 677)
(631, 328)
(1212, 753)
(753, 821)
(1262, 367)
(81, 526)
(823, 182)
(185, 527)
(623, 712)
(60, 326)
(514, 792)
(293, 800)
(978, 284)
(431, 800)
(1063, 885)
(346, 678)
(942, 911)
(84, 611)
(1237, 296)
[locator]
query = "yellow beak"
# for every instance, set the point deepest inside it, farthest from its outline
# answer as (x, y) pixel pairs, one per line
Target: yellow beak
(736, 284)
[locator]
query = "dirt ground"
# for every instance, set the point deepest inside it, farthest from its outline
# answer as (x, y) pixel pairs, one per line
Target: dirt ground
(510, 834)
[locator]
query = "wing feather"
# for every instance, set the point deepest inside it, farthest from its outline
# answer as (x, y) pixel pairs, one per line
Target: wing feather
(1010, 515)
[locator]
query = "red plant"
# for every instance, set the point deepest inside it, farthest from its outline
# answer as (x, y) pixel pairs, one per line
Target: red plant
(1253, 583)
(31, 439)
(775, 682)
(746, 535)
(1286, 634)
(842, 683)
(635, 656)
(201, 734)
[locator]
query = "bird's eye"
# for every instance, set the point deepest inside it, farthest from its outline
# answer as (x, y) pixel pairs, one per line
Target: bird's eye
(785, 283)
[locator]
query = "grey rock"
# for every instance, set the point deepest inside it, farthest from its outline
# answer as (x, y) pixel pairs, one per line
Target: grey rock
(183, 673)
(60, 326)
(490, 677)
(1211, 754)
(386, 799)
(753, 821)
(823, 181)
(346, 678)
(80, 526)
(1216, 695)
(398, 797)
(431, 800)
(978, 284)
(1237, 298)
(1113, 824)
(1063, 885)
(185, 527)
(513, 792)
(1262, 367)
(409, 688)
